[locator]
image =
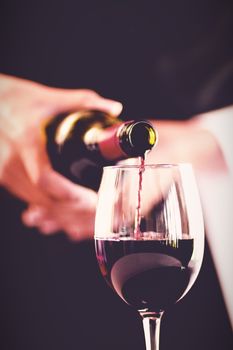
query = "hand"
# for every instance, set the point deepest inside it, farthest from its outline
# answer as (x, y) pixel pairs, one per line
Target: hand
(25, 169)
(72, 210)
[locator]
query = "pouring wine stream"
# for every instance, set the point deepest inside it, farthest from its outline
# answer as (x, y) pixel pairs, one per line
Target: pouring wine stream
(151, 320)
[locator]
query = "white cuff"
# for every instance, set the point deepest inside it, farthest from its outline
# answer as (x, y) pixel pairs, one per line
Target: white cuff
(220, 124)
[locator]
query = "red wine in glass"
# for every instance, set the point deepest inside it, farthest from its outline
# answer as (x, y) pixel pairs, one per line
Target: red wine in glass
(147, 274)
(149, 237)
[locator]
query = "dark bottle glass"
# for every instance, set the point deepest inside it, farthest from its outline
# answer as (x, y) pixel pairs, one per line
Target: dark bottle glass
(79, 144)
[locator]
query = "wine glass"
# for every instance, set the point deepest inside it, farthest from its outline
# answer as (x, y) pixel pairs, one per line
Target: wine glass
(149, 237)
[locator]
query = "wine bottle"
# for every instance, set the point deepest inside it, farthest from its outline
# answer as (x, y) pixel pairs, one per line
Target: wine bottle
(79, 144)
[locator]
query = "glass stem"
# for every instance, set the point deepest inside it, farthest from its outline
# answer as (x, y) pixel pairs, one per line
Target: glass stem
(151, 326)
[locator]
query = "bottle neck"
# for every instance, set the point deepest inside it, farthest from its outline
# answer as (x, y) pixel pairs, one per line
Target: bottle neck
(130, 139)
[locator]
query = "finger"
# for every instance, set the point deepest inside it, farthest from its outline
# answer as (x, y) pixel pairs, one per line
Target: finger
(32, 152)
(33, 215)
(41, 174)
(57, 186)
(47, 180)
(13, 174)
(77, 222)
(16, 180)
(65, 100)
(39, 217)
(49, 227)
(77, 235)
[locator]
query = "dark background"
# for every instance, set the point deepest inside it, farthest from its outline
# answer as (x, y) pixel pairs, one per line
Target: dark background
(162, 59)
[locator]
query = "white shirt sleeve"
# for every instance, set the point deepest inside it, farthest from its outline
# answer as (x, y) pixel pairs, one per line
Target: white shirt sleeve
(220, 124)
(216, 191)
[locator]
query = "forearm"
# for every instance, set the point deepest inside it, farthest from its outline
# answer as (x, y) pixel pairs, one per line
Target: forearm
(187, 141)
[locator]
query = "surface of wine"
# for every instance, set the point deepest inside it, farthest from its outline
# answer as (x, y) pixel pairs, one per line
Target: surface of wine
(147, 274)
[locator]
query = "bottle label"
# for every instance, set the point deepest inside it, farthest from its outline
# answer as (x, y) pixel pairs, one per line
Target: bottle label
(109, 146)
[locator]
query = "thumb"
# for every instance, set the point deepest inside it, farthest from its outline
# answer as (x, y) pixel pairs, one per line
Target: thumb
(34, 157)
(67, 99)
